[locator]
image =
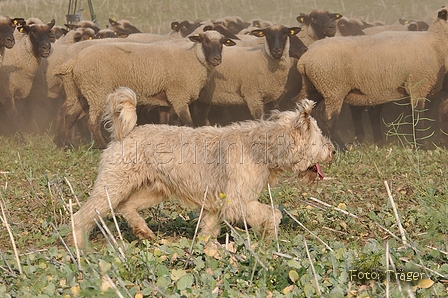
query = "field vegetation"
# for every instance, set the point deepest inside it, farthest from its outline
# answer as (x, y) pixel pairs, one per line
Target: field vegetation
(378, 210)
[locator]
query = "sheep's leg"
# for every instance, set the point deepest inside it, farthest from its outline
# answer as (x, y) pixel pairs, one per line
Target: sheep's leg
(11, 112)
(376, 123)
(139, 200)
(183, 112)
(200, 113)
(260, 217)
(356, 112)
(66, 121)
(164, 114)
(94, 126)
(330, 121)
(256, 107)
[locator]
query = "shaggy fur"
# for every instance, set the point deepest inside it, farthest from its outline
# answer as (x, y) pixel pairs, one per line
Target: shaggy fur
(152, 163)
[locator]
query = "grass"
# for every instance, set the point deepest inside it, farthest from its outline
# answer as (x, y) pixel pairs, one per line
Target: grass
(351, 234)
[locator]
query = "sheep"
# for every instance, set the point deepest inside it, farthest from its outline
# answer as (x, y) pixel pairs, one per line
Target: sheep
(404, 25)
(233, 23)
(163, 74)
(57, 32)
(252, 76)
(84, 24)
(123, 28)
(184, 28)
(316, 25)
(7, 27)
(76, 35)
(105, 33)
(371, 70)
(20, 65)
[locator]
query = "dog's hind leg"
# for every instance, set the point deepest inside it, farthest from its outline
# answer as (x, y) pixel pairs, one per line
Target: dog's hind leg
(140, 199)
(210, 224)
(260, 217)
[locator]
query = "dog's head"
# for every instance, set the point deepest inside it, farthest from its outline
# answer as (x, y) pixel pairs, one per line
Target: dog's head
(309, 147)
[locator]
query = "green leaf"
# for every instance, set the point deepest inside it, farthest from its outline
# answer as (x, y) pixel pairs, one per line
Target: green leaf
(185, 282)
(176, 274)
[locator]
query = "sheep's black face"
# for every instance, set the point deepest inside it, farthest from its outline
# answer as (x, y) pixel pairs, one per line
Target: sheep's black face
(276, 38)
(321, 21)
(39, 35)
(212, 42)
(7, 27)
(213, 52)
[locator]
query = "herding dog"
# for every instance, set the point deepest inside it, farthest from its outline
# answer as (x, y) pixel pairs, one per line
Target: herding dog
(229, 166)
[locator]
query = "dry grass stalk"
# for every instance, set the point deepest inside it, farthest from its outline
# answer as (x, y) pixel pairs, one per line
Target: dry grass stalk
(112, 238)
(114, 217)
(400, 227)
(199, 221)
(244, 218)
(66, 246)
(11, 236)
(335, 208)
(112, 284)
(275, 219)
(75, 242)
(387, 270)
(312, 268)
(306, 229)
(247, 246)
(72, 191)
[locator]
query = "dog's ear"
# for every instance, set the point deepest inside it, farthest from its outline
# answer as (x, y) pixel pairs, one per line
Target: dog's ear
(303, 121)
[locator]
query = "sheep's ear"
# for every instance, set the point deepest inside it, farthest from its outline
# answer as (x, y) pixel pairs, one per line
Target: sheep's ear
(256, 24)
(18, 22)
(223, 30)
(403, 21)
(228, 42)
(195, 38)
(51, 24)
(258, 32)
(293, 30)
(24, 29)
(175, 26)
(207, 28)
(335, 16)
(442, 14)
(113, 22)
(302, 19)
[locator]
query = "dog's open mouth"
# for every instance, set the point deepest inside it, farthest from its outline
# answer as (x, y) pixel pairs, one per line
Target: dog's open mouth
(316, 168)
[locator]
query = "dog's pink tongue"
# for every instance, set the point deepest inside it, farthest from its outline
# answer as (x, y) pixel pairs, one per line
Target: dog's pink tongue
(318, 169)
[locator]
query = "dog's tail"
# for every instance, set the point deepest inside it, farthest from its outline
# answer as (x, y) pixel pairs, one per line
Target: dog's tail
(120, 115)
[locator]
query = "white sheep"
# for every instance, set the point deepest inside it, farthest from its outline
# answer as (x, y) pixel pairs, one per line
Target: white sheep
(162, 74)
(371, 70)
(20, 65)
(252, 76)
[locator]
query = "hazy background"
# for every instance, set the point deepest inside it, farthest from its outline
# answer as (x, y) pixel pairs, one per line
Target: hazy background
(155, 16)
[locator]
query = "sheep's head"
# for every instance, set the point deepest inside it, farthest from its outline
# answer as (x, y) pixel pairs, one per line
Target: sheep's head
(185, 27)
(321, 21)
(276, 38)
(212, 42)
(39, 35)
(7, 27)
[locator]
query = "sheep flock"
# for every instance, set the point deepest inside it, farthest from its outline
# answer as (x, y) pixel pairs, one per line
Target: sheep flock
(55, 78)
